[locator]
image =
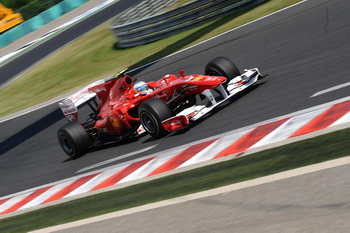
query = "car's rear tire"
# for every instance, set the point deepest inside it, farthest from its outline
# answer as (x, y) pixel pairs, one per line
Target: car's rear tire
(221, 66)
(74, 139)
(151, 113)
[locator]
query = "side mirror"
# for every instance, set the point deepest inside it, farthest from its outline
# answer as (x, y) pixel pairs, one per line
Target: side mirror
(182, 73)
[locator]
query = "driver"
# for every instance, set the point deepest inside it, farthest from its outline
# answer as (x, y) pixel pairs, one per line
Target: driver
(142, 88)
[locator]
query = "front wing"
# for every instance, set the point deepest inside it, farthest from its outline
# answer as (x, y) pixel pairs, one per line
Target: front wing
(191, 114)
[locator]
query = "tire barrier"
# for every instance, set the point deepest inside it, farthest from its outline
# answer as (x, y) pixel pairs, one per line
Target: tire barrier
(142, 10)
(39, 21)
(158, 26)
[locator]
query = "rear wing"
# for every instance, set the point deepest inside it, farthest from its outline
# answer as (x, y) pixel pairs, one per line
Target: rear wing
(69, 105)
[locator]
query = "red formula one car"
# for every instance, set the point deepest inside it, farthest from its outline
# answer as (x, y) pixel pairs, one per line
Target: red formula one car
(123, 108)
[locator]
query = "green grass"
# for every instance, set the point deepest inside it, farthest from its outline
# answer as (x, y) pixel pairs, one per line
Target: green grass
(94, 56)
(303, 153)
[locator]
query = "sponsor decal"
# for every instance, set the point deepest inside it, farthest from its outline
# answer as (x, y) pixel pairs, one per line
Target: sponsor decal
(115, 122)
(141, 129)
(197, 78)
(68, 107)
(77, 96)
(69, 111)
(71, 118)
(210, 78)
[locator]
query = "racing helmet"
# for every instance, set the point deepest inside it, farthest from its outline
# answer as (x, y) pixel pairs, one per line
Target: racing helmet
(142, 88)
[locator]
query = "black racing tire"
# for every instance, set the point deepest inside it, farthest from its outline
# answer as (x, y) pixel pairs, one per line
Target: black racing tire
(221, 66)
(74, 139)
(151, 113)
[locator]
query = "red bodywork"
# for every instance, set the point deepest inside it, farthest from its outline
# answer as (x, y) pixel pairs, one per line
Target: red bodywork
(119, 102)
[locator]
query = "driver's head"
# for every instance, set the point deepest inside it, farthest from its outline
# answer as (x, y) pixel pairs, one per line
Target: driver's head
(142, 88)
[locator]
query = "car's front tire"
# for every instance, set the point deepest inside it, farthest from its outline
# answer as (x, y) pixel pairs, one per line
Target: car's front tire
(222, 66)
(74, 139)
(151, 113)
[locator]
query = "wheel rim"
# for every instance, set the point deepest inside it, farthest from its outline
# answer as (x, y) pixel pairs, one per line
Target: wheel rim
(66, 145)
(148, 122)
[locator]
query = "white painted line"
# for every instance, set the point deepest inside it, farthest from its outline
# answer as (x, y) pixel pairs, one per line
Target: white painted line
(204, 194)
(116, 158)
(331, 89)
(2, 59)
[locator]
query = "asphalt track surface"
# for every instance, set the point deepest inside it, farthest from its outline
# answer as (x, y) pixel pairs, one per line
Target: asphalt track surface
(304, 49)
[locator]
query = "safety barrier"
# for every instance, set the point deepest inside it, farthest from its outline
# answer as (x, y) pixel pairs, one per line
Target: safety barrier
(158, 26)
(142, 10)
(39, 21)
